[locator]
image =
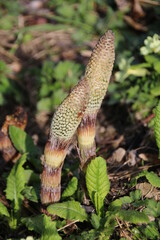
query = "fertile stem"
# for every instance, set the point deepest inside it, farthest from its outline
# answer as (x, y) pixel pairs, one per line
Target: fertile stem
(64, 124)
(97, 75)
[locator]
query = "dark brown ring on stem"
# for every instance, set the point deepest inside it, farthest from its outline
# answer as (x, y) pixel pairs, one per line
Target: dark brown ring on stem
(50, 184)
(54, 155)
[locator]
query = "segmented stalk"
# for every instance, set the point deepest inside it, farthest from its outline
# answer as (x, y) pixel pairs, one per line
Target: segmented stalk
(78, 109)
(64, 124)
(98, 73)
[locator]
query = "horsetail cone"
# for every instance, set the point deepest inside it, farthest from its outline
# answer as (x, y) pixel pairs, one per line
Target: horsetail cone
(63, 127)
(98, 73)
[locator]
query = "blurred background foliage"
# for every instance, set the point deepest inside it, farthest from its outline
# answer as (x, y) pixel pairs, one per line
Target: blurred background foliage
(45, 46)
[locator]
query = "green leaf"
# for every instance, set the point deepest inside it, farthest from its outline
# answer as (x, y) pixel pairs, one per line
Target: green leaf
(4, 210)
(134, 180)
(135, 195)
(71, 210)
(118, 203)
(98, 203)
(44, 104)
(152, 59)
(97, 182)
(152, 208)
(65, 10)
(50, 230)
(43, 225)
(71, 188)
(156, 90)
(157, 126)
(150, 231)
(109, 226)
(86, 235)
(67, 69)
(34, 223)
(16, 183)
(133, 216)
(30, 193)
(57, 97)
(153, 179)
(89, 235)
(95, 221)
(24, 144)
(22, 141)
(45, 90)
(157, 66)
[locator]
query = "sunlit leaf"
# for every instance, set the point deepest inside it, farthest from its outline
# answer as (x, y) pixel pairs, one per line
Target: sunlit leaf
(97, 182)
(71, 210)
(4, 210)
(71, 188)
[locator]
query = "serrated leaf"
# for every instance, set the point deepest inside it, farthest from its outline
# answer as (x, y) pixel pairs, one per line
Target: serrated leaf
(153, 179)
(134, 180)
(109, 228)
(4, 210)
(89, 235)
(34, 223)
(152, 208)
(157, 126)
(133, 216)
(22, 141)
(135, 195)
(71, 188)
(16, 183)
(50, 230)
(97, 182)
(118, 203)
(71, 210)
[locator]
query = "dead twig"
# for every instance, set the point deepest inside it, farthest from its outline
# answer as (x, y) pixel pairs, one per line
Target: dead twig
(67, 225)
(128, 174)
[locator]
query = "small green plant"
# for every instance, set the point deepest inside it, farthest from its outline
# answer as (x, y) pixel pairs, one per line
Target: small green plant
(80, 15)
(21, 182)
(7, 87)
(9, 11)
(55, 83)
(139, 85)
(97, 183)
